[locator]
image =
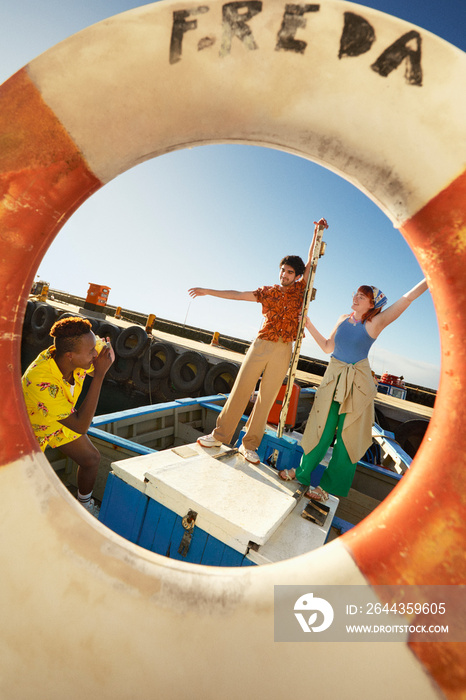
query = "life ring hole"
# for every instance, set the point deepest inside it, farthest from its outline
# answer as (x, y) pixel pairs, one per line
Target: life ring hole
(152, 366)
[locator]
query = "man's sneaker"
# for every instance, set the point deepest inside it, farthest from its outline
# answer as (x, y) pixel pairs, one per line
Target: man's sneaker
(249, 455)
(92, 508)
(208, 441)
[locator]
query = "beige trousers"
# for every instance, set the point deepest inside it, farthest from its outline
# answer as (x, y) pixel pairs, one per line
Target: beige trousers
(272, 361)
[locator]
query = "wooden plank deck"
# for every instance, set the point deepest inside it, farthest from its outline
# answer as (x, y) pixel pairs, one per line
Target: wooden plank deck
(355, 506)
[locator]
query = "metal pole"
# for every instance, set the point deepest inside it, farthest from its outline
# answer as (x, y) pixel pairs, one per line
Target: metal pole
(318, 249)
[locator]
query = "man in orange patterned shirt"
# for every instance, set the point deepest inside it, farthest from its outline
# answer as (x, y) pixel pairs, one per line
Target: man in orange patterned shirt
(269, 355)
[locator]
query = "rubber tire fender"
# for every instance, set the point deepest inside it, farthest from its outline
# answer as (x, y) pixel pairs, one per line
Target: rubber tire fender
(135, 350)
(95, 323)
(140, 380)
(216, 374)
(30, 306)
(167, 391)
(178, 371)
(410, 434)
(42, 320)
(109, 330)
(121, 369)
(69, 314)
(153, 354)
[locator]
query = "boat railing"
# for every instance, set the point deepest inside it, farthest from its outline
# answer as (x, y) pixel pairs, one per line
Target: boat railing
(386, 439)
(142, 411)
(119, 442)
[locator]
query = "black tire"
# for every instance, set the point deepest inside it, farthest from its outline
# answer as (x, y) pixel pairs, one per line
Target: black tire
(131, 342)
(30, 306)
(220, 378)
(42, 320)
(121, 370)
(109, 330)
(157, 360)
(68, 314)
(95, 323)
(141, 381)
(188, 372)
(410, 434)
(168, 392)
(381, 421)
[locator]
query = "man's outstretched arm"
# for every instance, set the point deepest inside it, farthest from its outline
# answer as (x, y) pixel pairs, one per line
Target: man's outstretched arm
(222, 294)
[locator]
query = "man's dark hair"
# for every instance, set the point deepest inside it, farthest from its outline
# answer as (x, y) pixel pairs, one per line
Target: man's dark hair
(68, 332)
(295, 262)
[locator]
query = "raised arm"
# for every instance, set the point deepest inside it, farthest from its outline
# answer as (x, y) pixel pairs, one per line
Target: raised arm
(80, 420)
(325, 344)
(395, 310)
(222, 294)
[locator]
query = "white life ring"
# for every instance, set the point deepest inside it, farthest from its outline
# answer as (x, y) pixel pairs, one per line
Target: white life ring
(369, 96)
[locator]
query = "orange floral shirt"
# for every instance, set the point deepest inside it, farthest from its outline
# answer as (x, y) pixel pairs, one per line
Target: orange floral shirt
(281, 309)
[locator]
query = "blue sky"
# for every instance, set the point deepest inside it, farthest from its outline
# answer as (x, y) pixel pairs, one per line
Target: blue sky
(223, 216)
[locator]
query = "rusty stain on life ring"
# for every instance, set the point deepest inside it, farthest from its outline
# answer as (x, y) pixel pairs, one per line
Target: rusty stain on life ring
(422, 538)
(39, 163)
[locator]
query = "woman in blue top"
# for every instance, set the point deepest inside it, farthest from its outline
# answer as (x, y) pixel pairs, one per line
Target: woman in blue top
(344, 402)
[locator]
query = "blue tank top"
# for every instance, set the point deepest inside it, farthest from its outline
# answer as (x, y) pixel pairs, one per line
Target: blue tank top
(352, 342)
